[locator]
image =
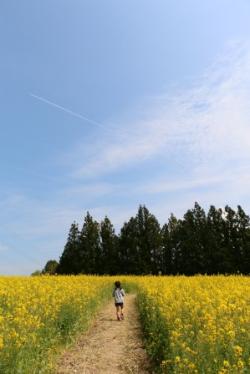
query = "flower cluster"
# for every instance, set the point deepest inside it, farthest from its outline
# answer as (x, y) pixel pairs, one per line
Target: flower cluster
(38, 313)
(204, 322)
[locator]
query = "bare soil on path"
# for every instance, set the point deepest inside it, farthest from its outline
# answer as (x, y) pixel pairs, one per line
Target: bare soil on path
(109, 346)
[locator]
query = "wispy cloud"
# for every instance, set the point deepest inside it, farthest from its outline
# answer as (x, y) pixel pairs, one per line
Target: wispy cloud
(204, 127)
(208, 179)
(181, 184)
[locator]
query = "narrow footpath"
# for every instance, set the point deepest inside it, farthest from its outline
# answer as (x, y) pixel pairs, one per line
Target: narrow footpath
(109, 346)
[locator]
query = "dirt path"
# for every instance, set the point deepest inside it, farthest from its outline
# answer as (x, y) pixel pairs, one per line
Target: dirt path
(110, 346)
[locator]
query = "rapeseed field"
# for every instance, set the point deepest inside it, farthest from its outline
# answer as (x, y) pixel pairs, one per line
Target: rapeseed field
(195, 324)
(38, 314)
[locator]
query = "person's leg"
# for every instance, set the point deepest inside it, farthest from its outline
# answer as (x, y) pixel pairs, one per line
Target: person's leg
(122, 311)
(117, 312)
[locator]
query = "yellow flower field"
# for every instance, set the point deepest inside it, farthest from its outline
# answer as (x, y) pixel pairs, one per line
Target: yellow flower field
(197, 324)
(39, 313)
(191, 324)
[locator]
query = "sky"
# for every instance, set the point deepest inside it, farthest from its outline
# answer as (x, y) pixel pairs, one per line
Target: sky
(105, 105)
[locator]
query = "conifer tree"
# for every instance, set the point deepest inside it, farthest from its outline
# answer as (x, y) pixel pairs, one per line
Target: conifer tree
(243, 240)
(231, 258)
(166, 255)
(215, 247)
(129, 248)
(193, 241)
(174, 230)
(69, 260)
(90, 261)
(171, 251)
(218, 242)
(109, 248)
(148, 233)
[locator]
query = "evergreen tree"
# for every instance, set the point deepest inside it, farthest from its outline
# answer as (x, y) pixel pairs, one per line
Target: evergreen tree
(174, 229)
(90, 261)
(140, 244)
(216, 250)
(243, 240)
(246, 257)
(193, 241)
(216, 243)
(109, 248)
(69, 260)
(129, 248)
(149, 250)
(166, 255)
(231, 260)
(171, 252)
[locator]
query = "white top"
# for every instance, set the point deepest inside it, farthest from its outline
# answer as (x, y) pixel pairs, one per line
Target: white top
(119, 294)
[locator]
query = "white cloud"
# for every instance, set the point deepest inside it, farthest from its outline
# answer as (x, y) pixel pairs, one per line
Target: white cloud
(206, 126)
(204, 178)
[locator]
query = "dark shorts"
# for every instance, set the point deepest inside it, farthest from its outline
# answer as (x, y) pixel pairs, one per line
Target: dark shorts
(119, 304)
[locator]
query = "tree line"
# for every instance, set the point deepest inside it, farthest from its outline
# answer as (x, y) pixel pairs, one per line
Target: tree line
(214, 243)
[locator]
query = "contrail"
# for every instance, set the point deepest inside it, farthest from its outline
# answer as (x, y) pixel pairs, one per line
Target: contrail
(77, 115)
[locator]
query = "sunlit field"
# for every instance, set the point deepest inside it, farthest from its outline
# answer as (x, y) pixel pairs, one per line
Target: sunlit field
(191, 324)
(197, 324)
(38, 314)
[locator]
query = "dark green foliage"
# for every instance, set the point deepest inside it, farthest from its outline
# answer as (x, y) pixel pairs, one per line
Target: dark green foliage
(149, 242)
(216, 251)
(50, 267)
(141, 244)
(200, 243)
(192, 236)
(170, 246)
(129, 249)
(243, 240)
(90, 259)
(69, 261)
(172, 252)
(109, 248)
(36, 273)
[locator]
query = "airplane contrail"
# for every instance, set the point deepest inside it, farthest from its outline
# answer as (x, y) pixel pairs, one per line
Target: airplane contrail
(66, 110)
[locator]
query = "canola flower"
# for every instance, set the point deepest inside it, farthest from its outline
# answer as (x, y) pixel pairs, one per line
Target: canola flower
(192, 324)
(197, 324)
(39, 313)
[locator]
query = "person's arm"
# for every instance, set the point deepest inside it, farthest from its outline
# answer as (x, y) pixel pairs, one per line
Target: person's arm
(122, 292)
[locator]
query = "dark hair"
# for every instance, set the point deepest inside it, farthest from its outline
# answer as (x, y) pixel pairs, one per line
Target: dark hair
(118, 284)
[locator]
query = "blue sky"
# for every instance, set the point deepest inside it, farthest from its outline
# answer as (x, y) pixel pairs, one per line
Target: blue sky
(109, 104)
